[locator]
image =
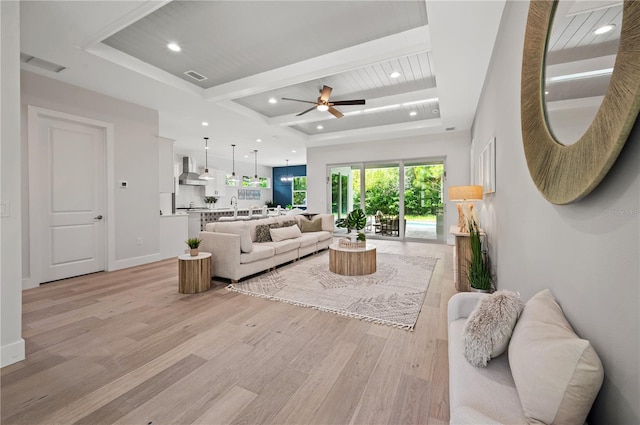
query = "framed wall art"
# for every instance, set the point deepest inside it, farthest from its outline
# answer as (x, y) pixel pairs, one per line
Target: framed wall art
(487, 167)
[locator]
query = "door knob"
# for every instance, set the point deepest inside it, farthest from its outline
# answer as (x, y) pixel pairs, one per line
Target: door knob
(98, 217)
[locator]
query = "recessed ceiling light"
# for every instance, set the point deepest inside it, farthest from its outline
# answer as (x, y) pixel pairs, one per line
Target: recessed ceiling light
(258, 140)
(174, 47)
(604, 29)
(435, 111)
(546, 92)
(246, 156)
(293, 151)
(273, 100)
(319, 127)
(413, 113)
(394, 74)
(204, 123)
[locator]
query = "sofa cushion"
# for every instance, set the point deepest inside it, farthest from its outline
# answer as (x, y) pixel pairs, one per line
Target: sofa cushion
(239, 228)
(259, 252)
(323, 235)
(557, 374)
(307, 239)
(306, 225)
(284, 246)
(283, 233)
(210, 227)
(328, 222)
(489, 390)
(489, 326)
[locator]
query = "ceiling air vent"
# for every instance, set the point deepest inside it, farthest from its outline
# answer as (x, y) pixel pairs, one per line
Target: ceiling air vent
(41, 63)
(195, 75)
(450, 128)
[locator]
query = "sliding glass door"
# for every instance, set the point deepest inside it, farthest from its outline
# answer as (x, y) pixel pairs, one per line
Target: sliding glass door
(410, 207)
(423, 200)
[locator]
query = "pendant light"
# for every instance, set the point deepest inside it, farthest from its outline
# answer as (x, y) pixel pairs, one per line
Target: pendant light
(287, 177)
(233, 179)
(206, 175)
(256, 180)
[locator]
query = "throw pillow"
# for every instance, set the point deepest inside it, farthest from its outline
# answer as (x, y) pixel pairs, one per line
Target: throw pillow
(240, 229)
(288, 223)
(488, 329)
(310, 225)
(262, 233)
(284, 233)
(556, 373)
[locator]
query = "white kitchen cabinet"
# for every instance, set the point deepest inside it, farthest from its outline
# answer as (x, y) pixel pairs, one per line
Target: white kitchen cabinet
(166, 177)
(217, 186)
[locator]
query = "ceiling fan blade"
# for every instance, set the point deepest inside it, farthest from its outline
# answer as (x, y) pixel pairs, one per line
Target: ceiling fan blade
(325, 93)
(304, 112)
(335, 112)
(349, 102)
(298, 100)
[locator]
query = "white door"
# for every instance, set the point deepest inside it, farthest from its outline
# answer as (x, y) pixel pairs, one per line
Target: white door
(71, 188)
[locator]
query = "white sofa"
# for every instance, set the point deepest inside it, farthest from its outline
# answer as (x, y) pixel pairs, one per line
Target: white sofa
(547, 375)
(237, 254)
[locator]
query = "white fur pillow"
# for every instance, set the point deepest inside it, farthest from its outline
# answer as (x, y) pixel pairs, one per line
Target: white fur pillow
(488, 329)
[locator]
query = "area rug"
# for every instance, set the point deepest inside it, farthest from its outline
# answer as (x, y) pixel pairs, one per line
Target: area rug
(393, 295)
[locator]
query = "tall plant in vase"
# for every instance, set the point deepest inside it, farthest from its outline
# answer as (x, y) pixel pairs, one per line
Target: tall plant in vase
(478, 270)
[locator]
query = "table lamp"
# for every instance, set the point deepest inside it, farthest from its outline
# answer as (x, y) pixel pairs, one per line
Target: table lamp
(466, 209)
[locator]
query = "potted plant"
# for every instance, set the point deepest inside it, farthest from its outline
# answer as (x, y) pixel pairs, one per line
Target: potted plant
(478, 270)
(355, 220)
(193, 244)
(210, 201)
(270, 204)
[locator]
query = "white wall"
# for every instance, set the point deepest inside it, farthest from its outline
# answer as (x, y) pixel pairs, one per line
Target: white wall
(587, 253)
(11, 342)
(135, 159)
(454, 146)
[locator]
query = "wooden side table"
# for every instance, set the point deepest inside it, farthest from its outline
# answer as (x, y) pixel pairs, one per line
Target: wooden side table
(352, 262)
(194, 273)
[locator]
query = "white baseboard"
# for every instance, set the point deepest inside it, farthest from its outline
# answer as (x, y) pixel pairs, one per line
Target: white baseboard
(27, 283)
(135, 261)
(12, 353)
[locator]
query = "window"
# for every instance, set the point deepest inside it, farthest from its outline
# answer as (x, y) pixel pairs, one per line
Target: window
(299, 189)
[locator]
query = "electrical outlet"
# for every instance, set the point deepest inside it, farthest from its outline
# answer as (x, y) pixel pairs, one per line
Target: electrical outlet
(139, 241)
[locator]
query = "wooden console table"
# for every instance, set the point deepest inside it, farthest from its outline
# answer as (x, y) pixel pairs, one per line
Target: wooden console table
(352, 262)
(194, 273)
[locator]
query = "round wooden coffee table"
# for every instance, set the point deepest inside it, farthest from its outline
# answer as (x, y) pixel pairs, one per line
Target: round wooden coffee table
(194, 273)
(352, 262)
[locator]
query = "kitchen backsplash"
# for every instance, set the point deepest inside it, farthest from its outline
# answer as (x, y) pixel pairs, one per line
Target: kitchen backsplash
(195, 194)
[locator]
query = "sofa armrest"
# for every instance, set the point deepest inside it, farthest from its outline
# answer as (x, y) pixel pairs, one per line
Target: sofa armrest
(462, 304)
(224, 249)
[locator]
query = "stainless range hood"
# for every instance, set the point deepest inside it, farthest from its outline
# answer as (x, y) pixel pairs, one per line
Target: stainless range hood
(189, 174)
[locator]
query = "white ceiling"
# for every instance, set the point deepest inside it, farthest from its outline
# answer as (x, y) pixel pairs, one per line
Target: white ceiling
(251, 51)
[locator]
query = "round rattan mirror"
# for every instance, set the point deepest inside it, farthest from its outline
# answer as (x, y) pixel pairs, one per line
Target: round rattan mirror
(566, 173)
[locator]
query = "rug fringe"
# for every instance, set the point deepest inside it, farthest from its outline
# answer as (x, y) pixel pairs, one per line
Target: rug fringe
(232, 288)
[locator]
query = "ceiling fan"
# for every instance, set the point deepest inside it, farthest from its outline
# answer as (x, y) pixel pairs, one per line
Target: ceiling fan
(323, 104)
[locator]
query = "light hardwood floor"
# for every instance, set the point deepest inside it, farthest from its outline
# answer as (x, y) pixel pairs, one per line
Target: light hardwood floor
(125, 347)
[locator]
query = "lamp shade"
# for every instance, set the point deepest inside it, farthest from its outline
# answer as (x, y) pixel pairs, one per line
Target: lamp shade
(465, 193)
